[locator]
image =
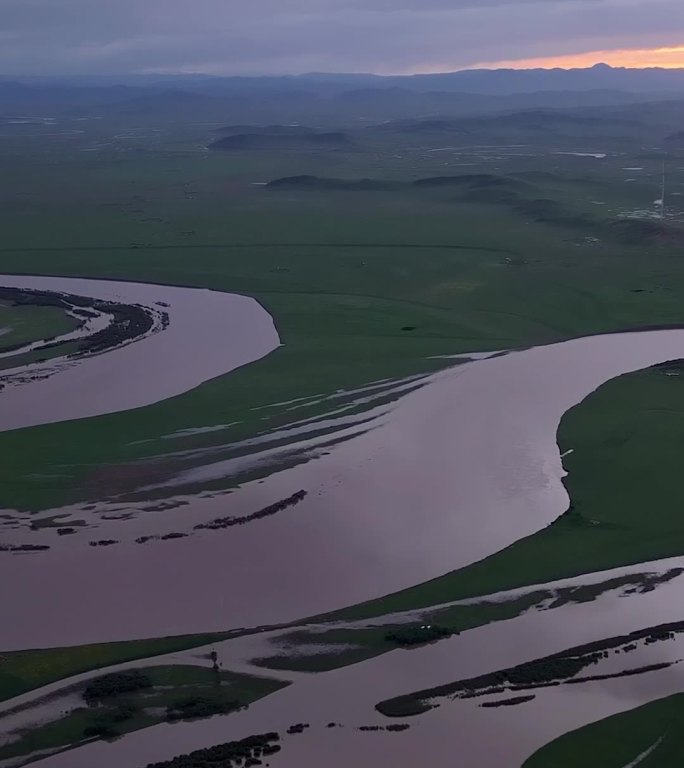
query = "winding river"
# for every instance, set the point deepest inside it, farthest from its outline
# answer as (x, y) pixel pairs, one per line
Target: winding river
(209, 333)
(453, 472)
(348, 696)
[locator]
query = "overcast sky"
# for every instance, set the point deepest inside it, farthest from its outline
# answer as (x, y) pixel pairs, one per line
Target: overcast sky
(294, 36)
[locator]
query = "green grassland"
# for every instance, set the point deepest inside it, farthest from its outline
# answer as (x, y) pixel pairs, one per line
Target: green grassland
(342, 272)
(201, 691)
(22, 671)
(352, 645)
(25, 324)
(619, 740)
(625, 491)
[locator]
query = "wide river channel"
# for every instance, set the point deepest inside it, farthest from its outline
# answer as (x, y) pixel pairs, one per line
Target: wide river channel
(451, 473)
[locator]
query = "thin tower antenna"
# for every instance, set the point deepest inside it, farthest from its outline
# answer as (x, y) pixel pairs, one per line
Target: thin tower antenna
(662, 195)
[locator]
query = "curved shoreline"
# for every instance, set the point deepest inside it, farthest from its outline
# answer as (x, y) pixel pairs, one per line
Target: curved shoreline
(452, 473)
(149, 369)
(348, 696)
(458, 468)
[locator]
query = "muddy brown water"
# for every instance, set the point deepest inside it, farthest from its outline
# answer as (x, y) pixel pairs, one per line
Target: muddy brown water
(209, 334)
(457, 732)
(454, 472)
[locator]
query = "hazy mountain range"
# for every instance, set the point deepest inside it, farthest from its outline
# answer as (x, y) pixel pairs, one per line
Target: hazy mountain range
(330, 98)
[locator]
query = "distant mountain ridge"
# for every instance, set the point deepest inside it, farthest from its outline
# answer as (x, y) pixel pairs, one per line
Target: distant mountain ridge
(473, 81)
(336, 99)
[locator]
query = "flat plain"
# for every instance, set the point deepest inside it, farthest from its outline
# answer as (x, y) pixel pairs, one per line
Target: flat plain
(383, 261)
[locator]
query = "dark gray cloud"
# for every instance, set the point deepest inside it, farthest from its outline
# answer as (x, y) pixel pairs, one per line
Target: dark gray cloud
(290, 36)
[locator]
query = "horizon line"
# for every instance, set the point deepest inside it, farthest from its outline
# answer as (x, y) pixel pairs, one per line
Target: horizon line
(599, 65)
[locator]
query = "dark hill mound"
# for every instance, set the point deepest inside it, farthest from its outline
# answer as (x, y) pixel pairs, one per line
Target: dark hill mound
(470, 180)
(265, 129)
(282, 141)
(319, 182)
(675, 140)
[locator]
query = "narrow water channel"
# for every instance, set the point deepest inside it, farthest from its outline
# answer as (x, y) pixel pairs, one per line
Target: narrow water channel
(458, 732)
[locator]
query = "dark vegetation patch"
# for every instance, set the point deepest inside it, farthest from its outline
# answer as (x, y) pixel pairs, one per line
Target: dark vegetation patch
(196, 707)
(25, 297)
(549, 670)
(624, 673)
(412, 636)
(512, 702)
(298, 728)
(350, 646)
(129, 321)
(24, 547)
(124, 702)
(107, 724)
(23, 671)
(318, 662)
(272, 509)
(114, 684)
(245, 752)
(164, 537)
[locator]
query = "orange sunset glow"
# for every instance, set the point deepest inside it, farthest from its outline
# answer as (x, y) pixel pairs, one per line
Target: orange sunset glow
(668, 58)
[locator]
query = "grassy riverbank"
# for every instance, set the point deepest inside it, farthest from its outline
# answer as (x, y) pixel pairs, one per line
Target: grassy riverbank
(651, 735)
(623, 481)
(23, 671)
(363, 285)
(22, 324)
(482, 265)
(573, 666)
(161, 694)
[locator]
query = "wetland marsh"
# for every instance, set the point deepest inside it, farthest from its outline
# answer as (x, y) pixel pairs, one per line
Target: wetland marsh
(360, 431)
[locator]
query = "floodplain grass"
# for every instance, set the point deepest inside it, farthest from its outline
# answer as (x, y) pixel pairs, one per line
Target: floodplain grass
(359, 644)
(23, 671)
(623, 482)
(367, 642)
(631, 423)
(654, 732)
(197, 691)
(464, 284)
(342, 273)
(27, 323)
